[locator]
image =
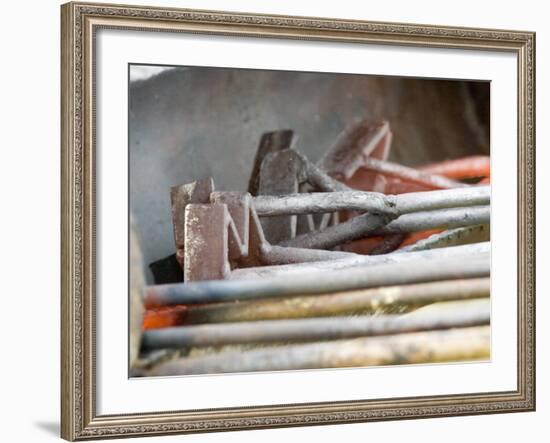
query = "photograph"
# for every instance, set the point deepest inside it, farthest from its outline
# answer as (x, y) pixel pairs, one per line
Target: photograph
(286, 220)
(294, 218)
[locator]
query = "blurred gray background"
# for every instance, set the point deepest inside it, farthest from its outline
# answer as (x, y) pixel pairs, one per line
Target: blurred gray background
(191, 123)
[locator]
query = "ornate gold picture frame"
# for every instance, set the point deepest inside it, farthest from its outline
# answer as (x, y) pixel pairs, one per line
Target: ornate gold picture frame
(80, 23)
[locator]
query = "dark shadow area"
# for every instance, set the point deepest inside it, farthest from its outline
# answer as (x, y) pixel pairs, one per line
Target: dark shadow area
(50, 427)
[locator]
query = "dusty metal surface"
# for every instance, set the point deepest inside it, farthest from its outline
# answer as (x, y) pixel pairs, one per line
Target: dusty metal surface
(419, 347)
(224, 232)
(281, 173)
(186, 124)
(464, 314)
(334, 265)
(313, 239)
(271, 142)
(181, 196)
(452, 237)
(365, 276)
(388, 299)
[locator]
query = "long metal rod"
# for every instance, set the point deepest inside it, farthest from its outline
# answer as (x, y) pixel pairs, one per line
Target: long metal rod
(472, 166)
(372, 224)
(322, 202)
(451, 237)
(279, 255)
(353, 229)
(447, 198)
(466, 313)
(439, 219)
(366, 276)
(419, 347)
(320, 179)
(464, 252)
(365, 301)
(410, 174)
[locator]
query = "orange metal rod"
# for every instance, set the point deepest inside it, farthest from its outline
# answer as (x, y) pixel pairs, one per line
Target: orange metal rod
(412, 175)
(461, 168)
(164, 317)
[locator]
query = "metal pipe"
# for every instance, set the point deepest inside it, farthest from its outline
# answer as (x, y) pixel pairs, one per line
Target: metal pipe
(418, 347)
(465, 252)
(466, 167)
(373, 224)
(447, 198)
(451, 237)
(320, 179)
(322, 202)
(439, 219)
(410, 175)
(366, 276)
(466, 313)
(279, 255)
(353, 229)
(365, 301)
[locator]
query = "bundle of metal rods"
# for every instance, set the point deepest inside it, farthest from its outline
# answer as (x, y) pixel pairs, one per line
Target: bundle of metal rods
(353, 261)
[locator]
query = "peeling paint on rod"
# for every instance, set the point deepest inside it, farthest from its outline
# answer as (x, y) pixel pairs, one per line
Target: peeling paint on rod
(366, 276)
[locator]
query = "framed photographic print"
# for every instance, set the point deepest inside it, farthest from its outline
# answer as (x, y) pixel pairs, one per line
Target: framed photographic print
(282, 221)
